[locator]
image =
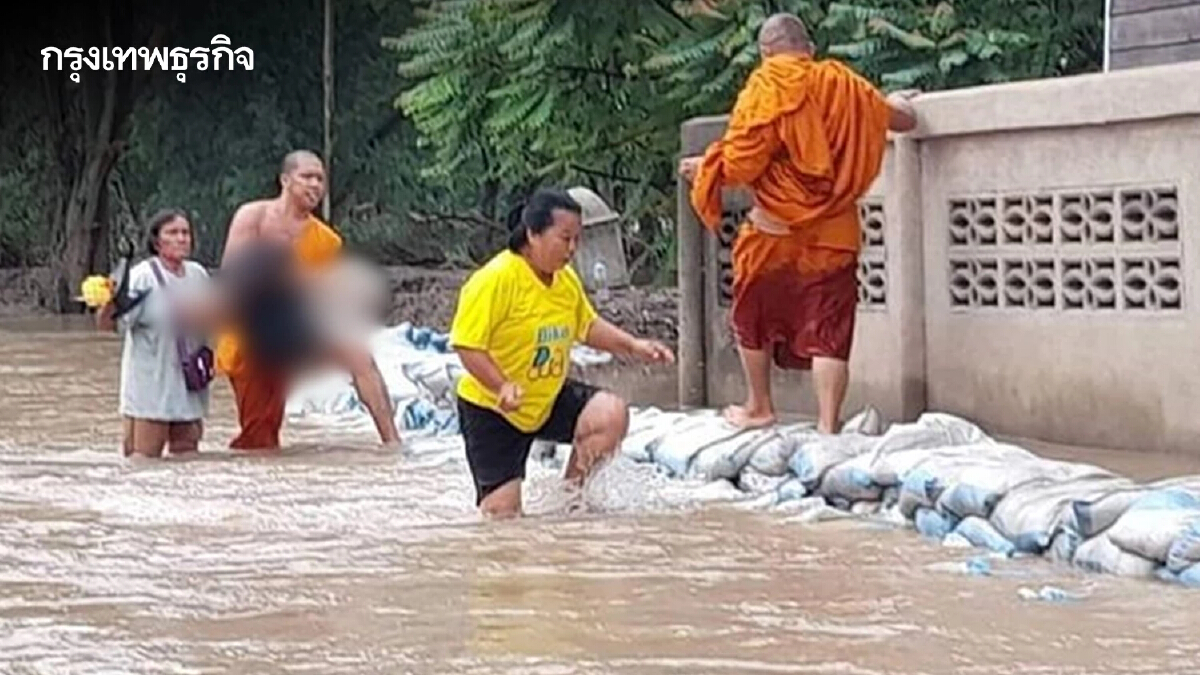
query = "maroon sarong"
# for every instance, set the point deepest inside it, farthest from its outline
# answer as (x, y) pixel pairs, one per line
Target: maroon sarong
(799, 310)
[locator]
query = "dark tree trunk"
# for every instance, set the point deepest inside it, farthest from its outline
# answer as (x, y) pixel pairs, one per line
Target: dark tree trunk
(89, 126)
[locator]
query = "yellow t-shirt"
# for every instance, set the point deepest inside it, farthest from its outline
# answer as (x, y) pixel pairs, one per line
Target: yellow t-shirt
(528, 328)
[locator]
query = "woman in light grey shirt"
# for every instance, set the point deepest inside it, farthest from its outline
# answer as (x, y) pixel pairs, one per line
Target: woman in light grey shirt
(158, 408)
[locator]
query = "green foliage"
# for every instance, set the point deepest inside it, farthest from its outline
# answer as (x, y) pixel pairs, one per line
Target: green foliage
(707, 61)
(943, 45)
(924, 47)
(518, 93)
(25, 236)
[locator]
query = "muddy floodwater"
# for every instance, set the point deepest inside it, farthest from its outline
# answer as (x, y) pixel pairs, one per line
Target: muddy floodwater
(338, 558)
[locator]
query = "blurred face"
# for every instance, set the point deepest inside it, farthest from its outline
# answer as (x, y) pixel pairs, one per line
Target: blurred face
(305, 184)
(553, 248)
(174, 240)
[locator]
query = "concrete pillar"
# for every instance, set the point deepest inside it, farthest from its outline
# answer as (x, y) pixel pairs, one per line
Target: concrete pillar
(690, 248)
(902, 201)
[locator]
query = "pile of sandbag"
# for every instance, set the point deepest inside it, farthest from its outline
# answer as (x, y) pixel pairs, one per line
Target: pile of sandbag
(947, 479)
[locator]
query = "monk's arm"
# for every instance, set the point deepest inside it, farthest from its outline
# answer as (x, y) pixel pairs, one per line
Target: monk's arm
(746, 153)
(902, 117)
(738, 158)
(243, 230)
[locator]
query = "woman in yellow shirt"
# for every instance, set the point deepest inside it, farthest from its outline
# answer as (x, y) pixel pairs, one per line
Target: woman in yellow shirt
(516, 321)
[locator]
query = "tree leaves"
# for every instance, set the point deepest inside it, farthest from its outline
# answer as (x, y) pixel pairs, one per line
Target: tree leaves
(945, 44)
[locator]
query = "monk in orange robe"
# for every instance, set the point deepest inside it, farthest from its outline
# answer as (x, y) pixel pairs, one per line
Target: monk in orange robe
(807, 138)
(287, 223)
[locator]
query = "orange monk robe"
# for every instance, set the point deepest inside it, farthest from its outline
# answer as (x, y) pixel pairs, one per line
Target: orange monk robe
(261, 394)
(807, 138)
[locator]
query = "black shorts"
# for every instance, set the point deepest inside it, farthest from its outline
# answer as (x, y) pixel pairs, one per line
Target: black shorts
(497, 451)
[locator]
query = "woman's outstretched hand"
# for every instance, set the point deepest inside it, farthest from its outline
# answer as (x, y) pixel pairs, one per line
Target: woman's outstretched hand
(653, 351)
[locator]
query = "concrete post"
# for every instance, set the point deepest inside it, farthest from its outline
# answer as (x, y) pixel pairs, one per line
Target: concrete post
(903, 200)
(696, 271)
(689, 234)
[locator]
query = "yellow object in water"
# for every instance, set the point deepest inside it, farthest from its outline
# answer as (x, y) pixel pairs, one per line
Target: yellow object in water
(96, 291)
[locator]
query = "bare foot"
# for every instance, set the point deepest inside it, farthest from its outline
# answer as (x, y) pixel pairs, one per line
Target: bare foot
(743, 418)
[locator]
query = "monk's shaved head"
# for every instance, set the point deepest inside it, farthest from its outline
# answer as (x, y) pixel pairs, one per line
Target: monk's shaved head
(783, 33)
(295, 158)
(302, 179)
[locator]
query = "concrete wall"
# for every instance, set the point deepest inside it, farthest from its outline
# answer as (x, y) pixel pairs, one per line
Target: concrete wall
(1153, 32)
(1028, 265)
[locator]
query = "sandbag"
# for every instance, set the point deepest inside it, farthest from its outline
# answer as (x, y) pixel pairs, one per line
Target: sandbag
(1090, 517)
(932, 524)
(956, 430)
(1152, 523)
(931, 430)
(791, 490)
(756, 483)
(982, 535)
(924, 481)
(675, 451)
(1032, 513)
(847, 483)
(889, 469)
(890, 497)
(646, 431)
(726, 457)
(974, 488)
(955, 540)
(1100, 554)
(865, 508)
(1063, 546)
(868, 422)
(717, 491)
(853, 480)
(1189, 576)
(813, 457)
(905, 445)
(1185, 550)
(915, 492)
(773, 458)
(839, 503)
(419, 414)
(435, 376)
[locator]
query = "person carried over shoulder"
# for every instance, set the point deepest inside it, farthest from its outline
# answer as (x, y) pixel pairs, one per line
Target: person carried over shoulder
(516, 321)
(279, 263)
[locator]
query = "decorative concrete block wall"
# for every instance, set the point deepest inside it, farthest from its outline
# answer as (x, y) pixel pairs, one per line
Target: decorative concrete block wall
(1026, 263)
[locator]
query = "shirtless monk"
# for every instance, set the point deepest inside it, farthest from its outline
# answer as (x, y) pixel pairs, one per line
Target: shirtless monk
(807, 138)
(286, 224)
